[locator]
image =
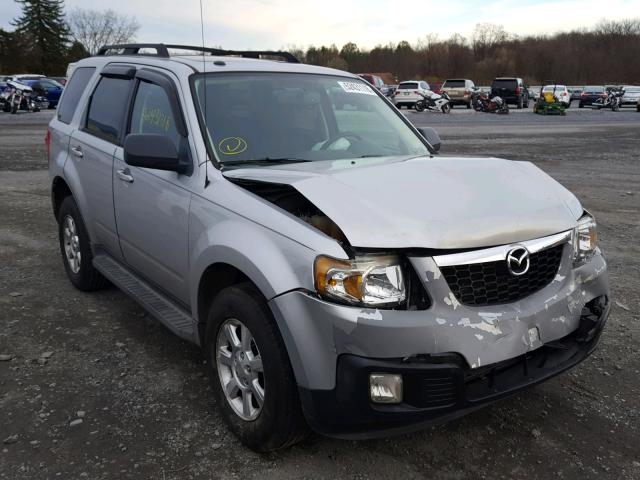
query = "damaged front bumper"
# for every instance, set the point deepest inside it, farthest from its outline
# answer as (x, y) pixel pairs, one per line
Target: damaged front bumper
(333, 347)
(439, 388)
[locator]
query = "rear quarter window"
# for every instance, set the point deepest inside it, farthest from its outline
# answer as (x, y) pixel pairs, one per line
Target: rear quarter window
(106, 110)
(73, 91)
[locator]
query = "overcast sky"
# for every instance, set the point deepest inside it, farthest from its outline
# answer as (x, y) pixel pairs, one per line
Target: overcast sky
(266, 24)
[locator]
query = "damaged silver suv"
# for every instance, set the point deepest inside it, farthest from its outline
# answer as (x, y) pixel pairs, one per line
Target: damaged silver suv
(338, 274)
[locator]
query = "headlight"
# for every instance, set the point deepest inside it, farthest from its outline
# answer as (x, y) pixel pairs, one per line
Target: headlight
(585, 239)
(372, 280)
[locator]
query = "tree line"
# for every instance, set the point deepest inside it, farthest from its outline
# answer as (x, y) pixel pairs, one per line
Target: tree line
(46, 39)
(606, 53)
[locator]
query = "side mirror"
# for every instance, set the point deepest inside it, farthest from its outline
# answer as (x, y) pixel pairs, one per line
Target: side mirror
(152, 151)
(431, 136)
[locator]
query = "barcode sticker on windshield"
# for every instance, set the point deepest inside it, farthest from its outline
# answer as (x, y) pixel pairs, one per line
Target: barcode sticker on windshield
(356, 87)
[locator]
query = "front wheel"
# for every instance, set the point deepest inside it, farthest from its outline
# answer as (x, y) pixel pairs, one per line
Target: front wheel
(615, 107)
(446, 108)
(250, 373)
(419, 106)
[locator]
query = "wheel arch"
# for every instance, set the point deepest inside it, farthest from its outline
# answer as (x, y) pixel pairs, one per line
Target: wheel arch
(59, 191)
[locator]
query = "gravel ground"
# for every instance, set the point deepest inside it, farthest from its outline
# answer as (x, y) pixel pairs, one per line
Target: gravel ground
(92, 387)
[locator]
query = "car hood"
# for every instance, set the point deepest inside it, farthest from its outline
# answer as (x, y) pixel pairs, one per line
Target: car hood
(429, 202)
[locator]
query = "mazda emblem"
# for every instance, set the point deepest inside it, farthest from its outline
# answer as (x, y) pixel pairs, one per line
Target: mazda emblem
(518, 261)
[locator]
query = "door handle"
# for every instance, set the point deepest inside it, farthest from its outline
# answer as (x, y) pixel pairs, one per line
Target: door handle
(124, 174)
(77, 151)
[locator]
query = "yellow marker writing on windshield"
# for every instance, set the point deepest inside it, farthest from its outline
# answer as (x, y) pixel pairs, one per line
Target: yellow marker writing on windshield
(232, 145)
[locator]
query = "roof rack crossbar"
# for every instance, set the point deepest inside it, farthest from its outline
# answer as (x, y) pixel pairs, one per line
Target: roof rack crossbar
(162, 50)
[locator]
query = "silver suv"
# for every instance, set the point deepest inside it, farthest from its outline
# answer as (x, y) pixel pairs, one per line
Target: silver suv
(336, 272)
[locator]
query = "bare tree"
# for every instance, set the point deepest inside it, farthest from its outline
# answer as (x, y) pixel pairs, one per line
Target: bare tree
(95, 28)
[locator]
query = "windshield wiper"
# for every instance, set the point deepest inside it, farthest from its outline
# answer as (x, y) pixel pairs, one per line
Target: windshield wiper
(264, 161)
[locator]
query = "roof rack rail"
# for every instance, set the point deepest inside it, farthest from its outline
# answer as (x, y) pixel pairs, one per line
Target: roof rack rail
(162, 50)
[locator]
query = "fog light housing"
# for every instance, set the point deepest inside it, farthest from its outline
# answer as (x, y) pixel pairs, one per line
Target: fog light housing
(385, 387)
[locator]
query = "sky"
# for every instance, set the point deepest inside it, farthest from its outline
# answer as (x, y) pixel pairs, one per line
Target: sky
(274, 24)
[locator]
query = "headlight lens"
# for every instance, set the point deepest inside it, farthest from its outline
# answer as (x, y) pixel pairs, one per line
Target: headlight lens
(372, 280)
(585, 239)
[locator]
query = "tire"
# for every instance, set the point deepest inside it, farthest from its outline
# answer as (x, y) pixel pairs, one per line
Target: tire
(419, 107)
(520, 103)
(469, 105)
(82, 274)
(446, 108)
(279, 422)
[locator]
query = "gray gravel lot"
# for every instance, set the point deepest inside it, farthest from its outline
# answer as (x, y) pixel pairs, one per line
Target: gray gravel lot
(92, 387)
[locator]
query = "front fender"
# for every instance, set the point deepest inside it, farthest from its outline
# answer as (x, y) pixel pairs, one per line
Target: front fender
(274, 263)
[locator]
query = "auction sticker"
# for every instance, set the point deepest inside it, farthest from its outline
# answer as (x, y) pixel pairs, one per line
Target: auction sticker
(356, 87)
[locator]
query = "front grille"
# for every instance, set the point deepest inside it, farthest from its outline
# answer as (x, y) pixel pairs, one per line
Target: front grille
(491, 283)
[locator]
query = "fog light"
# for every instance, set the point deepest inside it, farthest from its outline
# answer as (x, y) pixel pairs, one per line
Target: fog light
(385, 387)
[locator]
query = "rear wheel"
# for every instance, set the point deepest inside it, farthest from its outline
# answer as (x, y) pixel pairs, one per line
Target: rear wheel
(469, 105)
(75, 248)
(520, 103)
(250, 373)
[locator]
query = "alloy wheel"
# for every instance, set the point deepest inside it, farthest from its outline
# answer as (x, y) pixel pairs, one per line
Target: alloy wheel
(71, 244)
(240, 369)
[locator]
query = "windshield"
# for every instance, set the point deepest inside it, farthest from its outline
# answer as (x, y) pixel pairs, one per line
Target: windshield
(632, 89)
(252, 117)
(594, 89)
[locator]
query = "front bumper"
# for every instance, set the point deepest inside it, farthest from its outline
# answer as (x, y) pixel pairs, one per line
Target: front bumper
(321, 336)
(439, 388)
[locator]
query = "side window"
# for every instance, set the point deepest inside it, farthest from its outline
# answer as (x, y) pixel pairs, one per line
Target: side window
(107, 108)
(73, 91)
(152, 113)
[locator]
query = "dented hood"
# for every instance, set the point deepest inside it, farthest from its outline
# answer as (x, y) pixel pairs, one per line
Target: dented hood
(440, 203)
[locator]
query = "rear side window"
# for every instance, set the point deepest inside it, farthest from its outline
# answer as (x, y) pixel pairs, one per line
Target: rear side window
(107, 108)
(73, 91)
(152, 113)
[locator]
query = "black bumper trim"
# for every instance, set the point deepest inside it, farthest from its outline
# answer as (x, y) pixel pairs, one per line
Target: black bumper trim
(440, 388)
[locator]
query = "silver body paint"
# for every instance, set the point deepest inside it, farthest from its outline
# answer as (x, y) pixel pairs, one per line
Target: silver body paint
(401, 203)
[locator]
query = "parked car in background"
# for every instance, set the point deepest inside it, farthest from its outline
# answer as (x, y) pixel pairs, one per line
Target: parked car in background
(22, 76)
(374, 80)
(460, 91)
(61, 80)
(631, 95)
(409, 92)
(436, 88)
(48, 88)
(512, 90)
(575, 92)
(590, 94)
(534, 92)
(561, 92)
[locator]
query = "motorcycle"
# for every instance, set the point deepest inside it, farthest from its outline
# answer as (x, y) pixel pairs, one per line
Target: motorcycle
(612, 100)
(436, 102)
(481, 102)
(18, 96)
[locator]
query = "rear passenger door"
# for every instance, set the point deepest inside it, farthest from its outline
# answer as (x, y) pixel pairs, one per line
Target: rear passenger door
(152, 206)
(91, 152)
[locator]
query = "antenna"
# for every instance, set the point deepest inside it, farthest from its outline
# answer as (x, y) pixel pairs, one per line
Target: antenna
(204, 76)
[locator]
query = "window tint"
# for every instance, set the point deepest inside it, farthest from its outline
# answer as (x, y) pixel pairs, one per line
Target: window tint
(152, 113)
(73, 91)
(108, 104)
